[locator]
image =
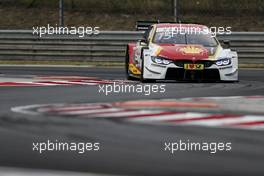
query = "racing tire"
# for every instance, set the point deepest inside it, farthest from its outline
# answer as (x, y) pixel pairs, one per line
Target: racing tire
(128, 77)
(142, 79)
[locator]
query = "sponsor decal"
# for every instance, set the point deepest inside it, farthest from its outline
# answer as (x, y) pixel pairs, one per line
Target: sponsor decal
(157, 52)
(134, 69)
(191, 50)
(194, 66)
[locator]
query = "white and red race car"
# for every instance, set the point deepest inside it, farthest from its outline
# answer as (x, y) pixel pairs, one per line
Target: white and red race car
(169, 51)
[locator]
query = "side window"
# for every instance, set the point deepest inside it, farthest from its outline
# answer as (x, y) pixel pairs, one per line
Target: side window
(151, 31)
(148, 33)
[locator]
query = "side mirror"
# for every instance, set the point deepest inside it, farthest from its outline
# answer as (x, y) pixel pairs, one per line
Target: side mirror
(143, 42)
(226, 43)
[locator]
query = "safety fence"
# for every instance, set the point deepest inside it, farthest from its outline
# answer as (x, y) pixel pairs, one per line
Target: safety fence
(106, 46)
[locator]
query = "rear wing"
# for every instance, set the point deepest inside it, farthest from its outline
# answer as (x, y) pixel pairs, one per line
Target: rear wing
(144, 25)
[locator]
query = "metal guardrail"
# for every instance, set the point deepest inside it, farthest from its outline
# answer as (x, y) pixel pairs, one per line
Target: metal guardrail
(107, 46)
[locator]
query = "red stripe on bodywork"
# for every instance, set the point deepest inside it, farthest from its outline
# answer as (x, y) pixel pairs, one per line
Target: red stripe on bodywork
(131, 47)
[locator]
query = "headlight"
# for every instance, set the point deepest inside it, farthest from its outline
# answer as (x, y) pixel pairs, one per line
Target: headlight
(160, 60)
(223, 62)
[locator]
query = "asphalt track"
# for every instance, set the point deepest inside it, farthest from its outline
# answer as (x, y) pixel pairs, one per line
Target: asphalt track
(125, 148)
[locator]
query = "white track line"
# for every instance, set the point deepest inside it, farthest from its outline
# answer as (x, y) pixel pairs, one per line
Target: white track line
(225, 121)
(36, 83)
(126, 114)
(27, 109)
(67, 109)
(87, 112)
(75, 83)
(162, 118)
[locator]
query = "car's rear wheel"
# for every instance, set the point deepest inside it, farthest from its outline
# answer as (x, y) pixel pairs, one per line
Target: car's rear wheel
(127, 66)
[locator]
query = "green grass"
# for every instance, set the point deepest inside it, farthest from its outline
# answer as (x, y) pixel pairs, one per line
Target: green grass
(123, 14)
(145, 6)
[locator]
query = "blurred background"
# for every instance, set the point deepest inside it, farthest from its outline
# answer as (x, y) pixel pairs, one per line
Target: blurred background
(241, 15)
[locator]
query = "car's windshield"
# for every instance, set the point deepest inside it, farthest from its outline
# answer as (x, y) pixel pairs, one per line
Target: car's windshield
(184, 38)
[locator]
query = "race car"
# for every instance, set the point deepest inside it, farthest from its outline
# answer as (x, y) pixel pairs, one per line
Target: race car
(169, 51)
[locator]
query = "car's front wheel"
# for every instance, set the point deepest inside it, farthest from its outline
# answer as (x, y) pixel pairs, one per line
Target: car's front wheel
(142, 79)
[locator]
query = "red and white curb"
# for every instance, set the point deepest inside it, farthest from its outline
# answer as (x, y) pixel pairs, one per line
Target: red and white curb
(55, 81)
(166, 115)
